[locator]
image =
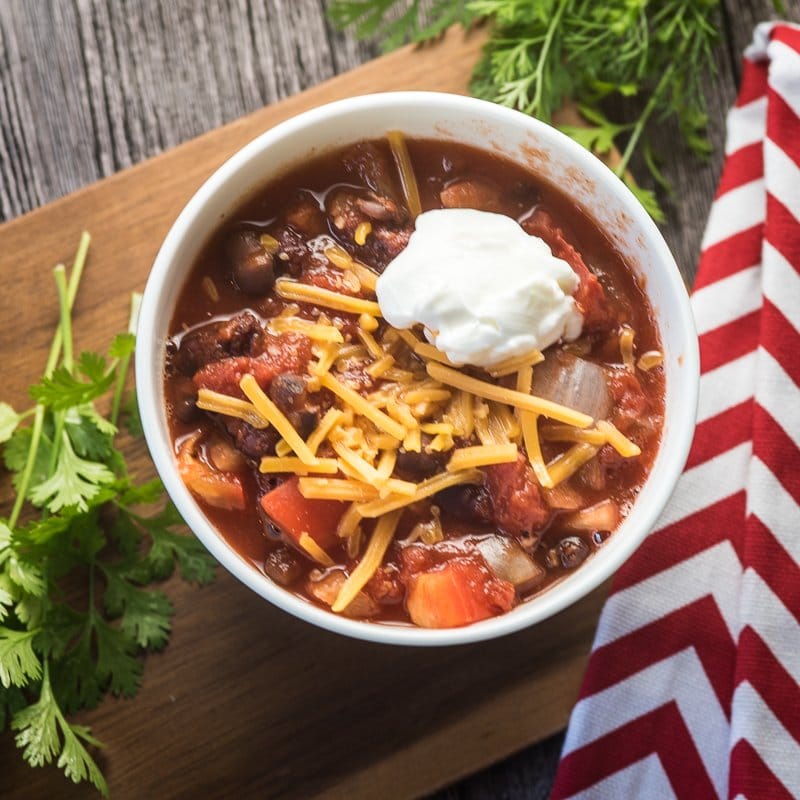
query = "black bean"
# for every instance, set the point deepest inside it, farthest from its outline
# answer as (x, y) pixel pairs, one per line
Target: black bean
(416, 466)
(184, 399)
(288, 391)
(572, 551)
(283, 566)
(252, 266)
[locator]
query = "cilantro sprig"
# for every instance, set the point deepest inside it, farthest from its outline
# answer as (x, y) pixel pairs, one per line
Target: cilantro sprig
(541, 53)
(80, 550)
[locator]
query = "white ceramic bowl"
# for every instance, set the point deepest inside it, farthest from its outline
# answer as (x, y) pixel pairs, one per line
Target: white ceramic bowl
(555, 158)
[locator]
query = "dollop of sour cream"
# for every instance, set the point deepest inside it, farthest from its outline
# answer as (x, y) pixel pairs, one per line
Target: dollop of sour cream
(483, 288)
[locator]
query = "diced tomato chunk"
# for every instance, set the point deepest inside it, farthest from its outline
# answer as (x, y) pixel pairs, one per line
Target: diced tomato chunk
(459, 592)
(518, 504)
(630, 402)
(218, 489)
(289, 352)
(590, 296)
(294, 514)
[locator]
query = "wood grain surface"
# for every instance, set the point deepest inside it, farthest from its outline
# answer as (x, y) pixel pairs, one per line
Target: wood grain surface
(246, 701)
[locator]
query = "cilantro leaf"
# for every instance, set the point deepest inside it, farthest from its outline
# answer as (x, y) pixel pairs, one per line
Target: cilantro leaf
(123, 345)
(63, 390)
(7, 594)
(196, 563)
(130, 410)
(76, 762)
(18, 663)
(74, 482)
(38, 729)
(90, 413)
(145, 614)
(9, 419)
(144, 494)
(41, 727)
(116, 661)
(87, 439)
(26, 575)
(15, 454)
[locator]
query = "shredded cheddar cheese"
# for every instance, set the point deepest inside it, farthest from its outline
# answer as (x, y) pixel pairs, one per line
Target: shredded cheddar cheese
(427, 488)
(500, 394)
(315, 551)
(566, 433)
(307, 293)
(315, 331)
(515, 363)
(361, 233)
(370, 561)
(335, 489)
(379, 368)
(210, 288)
(359, 465)
(431, 353)
(368, 340)
(650, 360)
(231, 407)
(361, 406)
(290, 464)
(567, 464)
(621, 443)
(349, 522)
(332, 418)
(626, 346)
(367, 323)
(481, 456)
(270, 411)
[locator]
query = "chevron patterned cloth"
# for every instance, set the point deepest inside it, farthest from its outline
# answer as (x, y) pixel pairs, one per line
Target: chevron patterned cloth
(693, 685)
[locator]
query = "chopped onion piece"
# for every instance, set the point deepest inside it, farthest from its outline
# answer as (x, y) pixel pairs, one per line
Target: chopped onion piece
(573, 382)
(508, 561)
(603, 516)
(326, 589)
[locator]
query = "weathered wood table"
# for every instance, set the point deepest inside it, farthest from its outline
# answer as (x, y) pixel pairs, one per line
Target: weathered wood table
(90, 87)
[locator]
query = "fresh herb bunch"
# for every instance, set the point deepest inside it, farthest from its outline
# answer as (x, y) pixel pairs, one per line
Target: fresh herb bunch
(76, 606)
(542, 53)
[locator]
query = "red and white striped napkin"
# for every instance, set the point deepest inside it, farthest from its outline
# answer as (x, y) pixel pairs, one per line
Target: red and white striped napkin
(693, 685)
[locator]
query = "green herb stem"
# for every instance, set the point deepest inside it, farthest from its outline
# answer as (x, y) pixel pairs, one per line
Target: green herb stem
(633, 141)
(124, 363)
(52, 360)
(543, 54)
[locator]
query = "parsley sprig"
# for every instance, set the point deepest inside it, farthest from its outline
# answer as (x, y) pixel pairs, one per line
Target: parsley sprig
(79, 551)
(647, 56)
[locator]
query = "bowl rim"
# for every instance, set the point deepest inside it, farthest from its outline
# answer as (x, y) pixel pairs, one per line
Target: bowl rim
(555, 598)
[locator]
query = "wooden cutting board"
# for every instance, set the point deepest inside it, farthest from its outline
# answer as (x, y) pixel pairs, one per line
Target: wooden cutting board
(247, 701)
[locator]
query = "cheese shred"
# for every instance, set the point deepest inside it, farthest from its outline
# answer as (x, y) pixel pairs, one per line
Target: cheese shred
(335, 489)
(621, 443)
(481, 456)
(327, 466)
(376, 549)
(307, 293)
(270, 411)
(525, 402)
(567, 464)
(231, 407)
(363, 407)
(315, 551)
(626, 346)
(427, 488)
